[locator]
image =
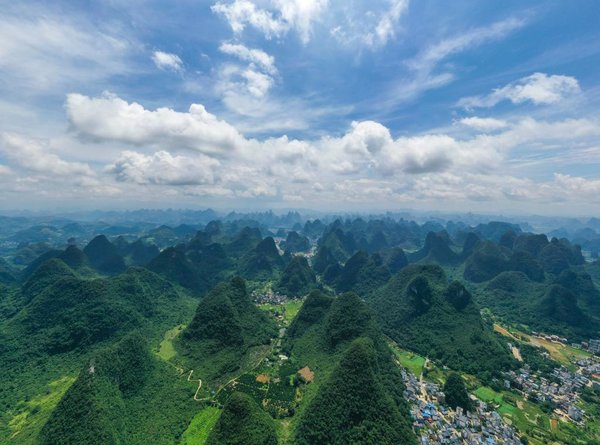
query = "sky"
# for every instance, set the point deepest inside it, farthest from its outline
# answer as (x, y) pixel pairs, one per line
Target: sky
(354, 105)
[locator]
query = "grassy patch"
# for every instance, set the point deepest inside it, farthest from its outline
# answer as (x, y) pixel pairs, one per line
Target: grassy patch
(200, 426)
(525, 416)
(563, 354)
(29, 421)
(292, 308)
(289, 309)
(413, 362)
(166, 351)
(488, 395)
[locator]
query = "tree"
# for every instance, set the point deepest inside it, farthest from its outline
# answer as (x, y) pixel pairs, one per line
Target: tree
(456, 392)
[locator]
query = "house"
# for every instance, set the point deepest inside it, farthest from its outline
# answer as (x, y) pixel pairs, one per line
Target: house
(575, 413)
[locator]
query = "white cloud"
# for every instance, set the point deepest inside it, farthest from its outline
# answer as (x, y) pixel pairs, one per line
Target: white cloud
(430, 153)
(167, 61)
(371, 28)
(387, 23)
(110, 118)
(538, 88)
(241, 13)
(34, 156)
(483, 123)
(276, 19)
(366, 163)
(164, 168)
(578, 186)
(424, 66)
(243, 89)
(434, 54)
(257, 83)
(256, 56)
(44, 52)
(300, 14)
(367, 137)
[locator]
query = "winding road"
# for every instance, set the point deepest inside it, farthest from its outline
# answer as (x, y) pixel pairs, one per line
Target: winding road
(189, 379)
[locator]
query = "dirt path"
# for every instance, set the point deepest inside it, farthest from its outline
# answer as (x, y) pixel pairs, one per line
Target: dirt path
(189, 379)
(423, 387)
(503, 331)
(517, 353)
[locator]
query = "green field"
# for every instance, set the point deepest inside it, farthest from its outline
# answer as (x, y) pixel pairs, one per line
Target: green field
(200, 426)
(289, 309)
(409, 360)
(527, 417)
(488, 395)
(166, 351)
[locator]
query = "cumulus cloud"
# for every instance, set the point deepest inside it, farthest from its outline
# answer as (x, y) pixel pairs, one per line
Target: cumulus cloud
(483, 123)
(275, 20)
(167, 61)
(430, 153)
(110, 118)
(34, 156)
(538, 88)
(244, 89)
(255, 56)
(163, 168)
(367, 137)
(365, 163)
(574, 185)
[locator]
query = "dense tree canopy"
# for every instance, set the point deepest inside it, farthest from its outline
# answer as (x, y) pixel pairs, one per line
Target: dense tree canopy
(456, 392)
(243, 422)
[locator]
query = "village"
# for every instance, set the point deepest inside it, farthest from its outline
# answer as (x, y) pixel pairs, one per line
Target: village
(560, 390)
(436, 424)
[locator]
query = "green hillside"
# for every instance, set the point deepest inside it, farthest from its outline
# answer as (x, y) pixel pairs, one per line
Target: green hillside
(123, 395)
(243, 422)
(297, 278)
(262, 261)
(353, 406)
(425, 313)
(68, 319)
(356, 396)
(224, 329)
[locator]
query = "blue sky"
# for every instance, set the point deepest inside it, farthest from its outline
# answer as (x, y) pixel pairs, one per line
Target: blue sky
(347, 105)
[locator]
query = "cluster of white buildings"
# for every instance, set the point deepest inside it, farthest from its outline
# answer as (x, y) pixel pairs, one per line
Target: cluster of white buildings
(594, 346)
(437, 425)
(268, 297)
(561, 389)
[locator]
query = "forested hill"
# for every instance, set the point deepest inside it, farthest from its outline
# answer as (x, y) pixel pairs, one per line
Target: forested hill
(233, 329)
(122, 395)
(356, 396)
(422, 311)
(521, 277)
(223, 331)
